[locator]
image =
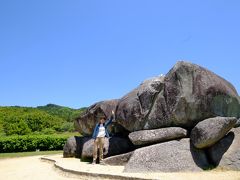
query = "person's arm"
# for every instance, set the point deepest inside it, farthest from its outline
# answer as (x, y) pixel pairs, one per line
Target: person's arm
(109, 121)
(95, 132)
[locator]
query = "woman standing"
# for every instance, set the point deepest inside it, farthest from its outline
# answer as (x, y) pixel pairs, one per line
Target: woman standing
(99, 134)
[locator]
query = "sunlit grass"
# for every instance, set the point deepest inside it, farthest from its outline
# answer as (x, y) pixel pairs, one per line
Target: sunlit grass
(24, 154)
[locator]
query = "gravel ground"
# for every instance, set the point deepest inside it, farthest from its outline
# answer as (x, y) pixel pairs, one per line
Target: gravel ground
(33, 168)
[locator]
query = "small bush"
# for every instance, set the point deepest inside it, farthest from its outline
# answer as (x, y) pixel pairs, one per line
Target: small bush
(48, 131)
(32, 142)
(17, 126)
(67, 127)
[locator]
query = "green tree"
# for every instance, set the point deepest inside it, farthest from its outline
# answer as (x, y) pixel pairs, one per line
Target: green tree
(25, 120)
(17, 126)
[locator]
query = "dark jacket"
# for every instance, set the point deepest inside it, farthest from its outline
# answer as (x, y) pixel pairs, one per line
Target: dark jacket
(106, 124)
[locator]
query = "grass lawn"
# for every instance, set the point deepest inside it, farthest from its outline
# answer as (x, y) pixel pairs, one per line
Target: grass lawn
(24, 154)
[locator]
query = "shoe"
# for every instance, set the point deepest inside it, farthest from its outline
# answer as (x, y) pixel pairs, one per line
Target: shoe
(94, 162)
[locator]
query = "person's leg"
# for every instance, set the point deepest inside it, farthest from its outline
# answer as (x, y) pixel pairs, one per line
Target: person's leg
(95, 150)
(101, 145)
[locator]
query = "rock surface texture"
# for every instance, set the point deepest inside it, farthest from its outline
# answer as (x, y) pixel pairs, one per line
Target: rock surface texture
(172, 156)
(226, 152)
(82, 147)
(144, 137)
(185, 120)
(208, 132)
(186, 95)
(118, 160)
(86, 123)
(72, 147)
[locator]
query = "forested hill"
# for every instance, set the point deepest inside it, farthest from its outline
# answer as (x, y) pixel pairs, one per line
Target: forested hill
(66, 113)
(42, 119)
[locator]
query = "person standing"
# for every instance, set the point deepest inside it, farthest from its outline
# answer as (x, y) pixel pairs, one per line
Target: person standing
(99, 134)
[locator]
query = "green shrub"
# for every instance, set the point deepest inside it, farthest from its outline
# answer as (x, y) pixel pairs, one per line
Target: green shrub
(67, 127)
(16, 126)
(32, 143)
(48, 131)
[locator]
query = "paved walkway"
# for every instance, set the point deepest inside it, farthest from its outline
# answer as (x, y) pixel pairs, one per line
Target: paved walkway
(55, 167)
(89, 171)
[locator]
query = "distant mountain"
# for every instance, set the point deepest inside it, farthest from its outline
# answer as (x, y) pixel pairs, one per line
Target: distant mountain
(63, 112)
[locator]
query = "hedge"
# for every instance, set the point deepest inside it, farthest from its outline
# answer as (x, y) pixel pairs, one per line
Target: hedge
(32, 143)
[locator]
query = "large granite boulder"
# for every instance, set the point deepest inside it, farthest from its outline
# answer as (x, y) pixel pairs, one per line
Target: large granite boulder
(118, 160)
(237, 123)
(88, 145)
(72, 147)
(86, 123)
(146, 137)
(112, 146)
(156, 111)
(187, 95)
(172, 156)
(226, 153)
(191, 94)
(82, 147)
(135, 106)
(208, 132)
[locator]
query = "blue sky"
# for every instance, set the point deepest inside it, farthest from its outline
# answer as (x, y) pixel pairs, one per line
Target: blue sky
(75, 53)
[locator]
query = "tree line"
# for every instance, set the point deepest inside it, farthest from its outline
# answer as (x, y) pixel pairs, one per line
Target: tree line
(16, 120)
